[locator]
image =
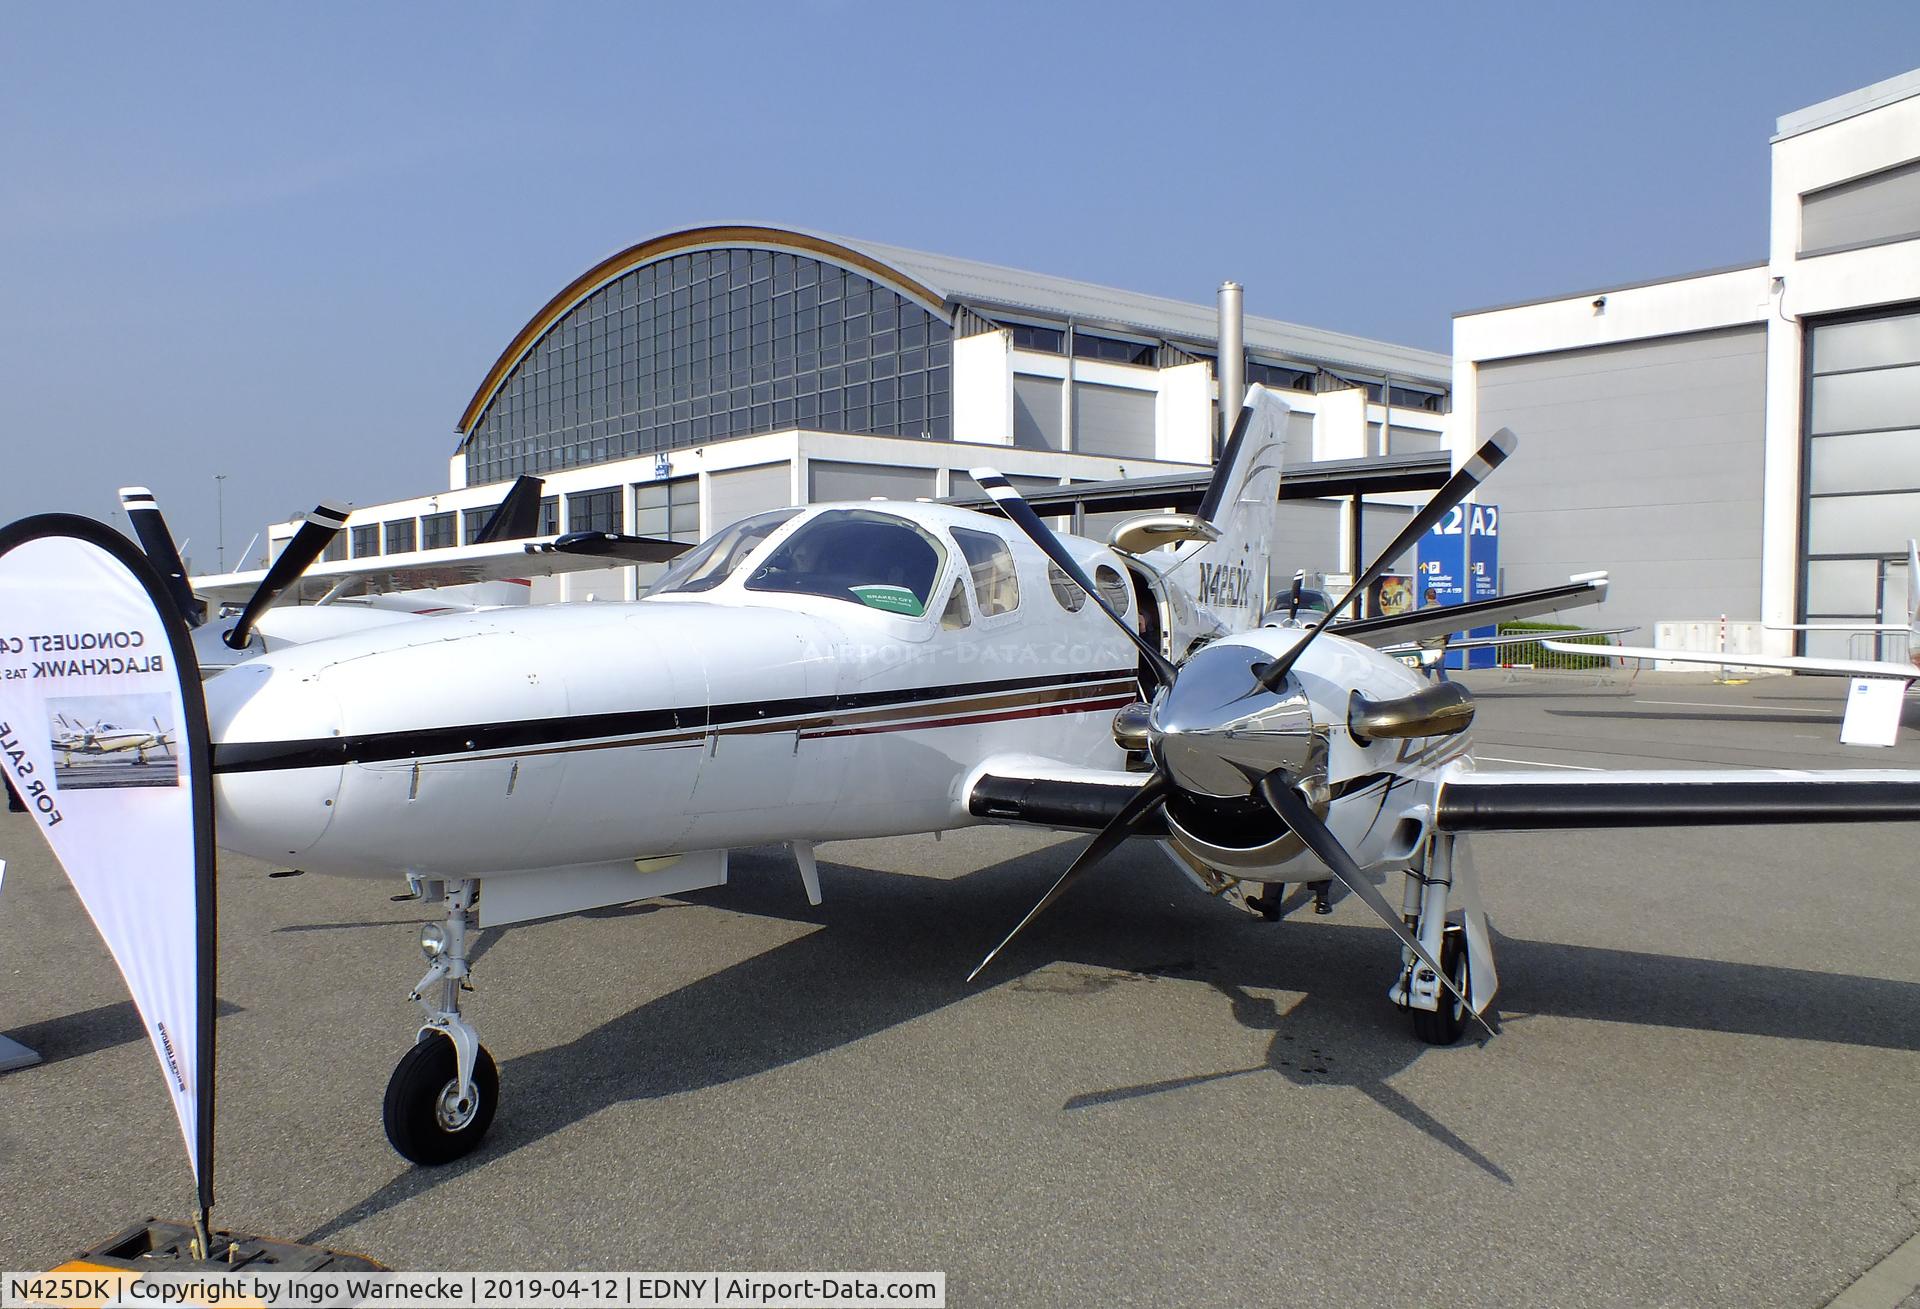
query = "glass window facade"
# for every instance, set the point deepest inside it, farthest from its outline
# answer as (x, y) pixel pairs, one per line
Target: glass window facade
(1862, 482)
(594, 511)
(716, 343)
(1028, 337)
(400, 535)
(1284, 377)
(472, 520)
(669, 509)
(437, 531)
(1086, 345)
(366, 540)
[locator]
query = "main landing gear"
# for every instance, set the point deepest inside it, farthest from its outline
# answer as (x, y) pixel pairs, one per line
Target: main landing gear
(1442, 907)
(441, 1097)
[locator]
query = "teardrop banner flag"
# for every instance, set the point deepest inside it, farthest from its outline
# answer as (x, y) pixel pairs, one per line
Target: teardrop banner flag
(103, 733)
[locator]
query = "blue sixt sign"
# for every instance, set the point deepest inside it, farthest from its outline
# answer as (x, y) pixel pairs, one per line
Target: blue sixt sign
(1459, 560)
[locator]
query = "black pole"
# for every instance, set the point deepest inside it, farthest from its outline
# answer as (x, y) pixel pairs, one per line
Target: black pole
(1356, 538)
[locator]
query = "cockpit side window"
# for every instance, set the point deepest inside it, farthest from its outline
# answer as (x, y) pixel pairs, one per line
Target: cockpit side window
(713, 561)
(996, 583)
(858, 555)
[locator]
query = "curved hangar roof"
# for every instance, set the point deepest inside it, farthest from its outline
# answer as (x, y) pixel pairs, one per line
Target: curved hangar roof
(943, 284)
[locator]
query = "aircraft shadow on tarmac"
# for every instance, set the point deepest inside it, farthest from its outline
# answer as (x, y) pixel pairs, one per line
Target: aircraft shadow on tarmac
(101, 1028)
(897, 948)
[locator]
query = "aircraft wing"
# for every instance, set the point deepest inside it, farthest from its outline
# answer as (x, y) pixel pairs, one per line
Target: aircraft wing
(1443, 620)
(1474, 801)
(1787, 663)
(417, 570)
(1043, 793)
(1838, 627)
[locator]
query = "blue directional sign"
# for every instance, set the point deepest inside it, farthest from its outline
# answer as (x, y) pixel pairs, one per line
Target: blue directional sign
(1459, 560)
(1483, 571)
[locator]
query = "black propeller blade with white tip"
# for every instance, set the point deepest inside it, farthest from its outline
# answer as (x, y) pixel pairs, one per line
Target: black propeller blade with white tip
(307, 545)
(1142, 804)
(156, 542)
(1277, 790)
(1470, 474)
(1014, 505)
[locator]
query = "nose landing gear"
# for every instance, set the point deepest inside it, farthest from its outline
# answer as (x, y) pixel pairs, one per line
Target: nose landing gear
(442, 1095)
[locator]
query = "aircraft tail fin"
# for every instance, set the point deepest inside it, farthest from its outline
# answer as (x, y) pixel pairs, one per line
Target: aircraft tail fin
(1229, 577)
(518, 514)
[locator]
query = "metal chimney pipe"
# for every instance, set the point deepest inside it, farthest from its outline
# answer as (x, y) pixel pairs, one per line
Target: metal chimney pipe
(1232, 366)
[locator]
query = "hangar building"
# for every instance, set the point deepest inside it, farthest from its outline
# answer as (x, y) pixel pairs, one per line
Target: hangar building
(1744, 441)
(705, 374)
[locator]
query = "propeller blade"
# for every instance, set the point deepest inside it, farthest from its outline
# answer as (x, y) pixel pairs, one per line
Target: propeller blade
(1139, 806)
(307, 545)
(517, 515)
(1015, 507)
(1293, 604)
(1277, 791)
(156, 542)
(1475, 471)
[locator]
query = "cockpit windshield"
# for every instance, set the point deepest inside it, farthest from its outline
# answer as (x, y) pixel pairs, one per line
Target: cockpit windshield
(869, 558)
(713, 561)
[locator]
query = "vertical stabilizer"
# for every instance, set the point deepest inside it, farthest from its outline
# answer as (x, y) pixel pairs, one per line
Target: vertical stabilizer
(1229, 577)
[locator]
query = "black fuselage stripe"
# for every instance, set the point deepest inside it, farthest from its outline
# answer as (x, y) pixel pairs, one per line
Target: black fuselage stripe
(429, 742)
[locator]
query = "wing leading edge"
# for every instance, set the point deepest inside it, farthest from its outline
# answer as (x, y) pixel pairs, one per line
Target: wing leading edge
(1474, 801)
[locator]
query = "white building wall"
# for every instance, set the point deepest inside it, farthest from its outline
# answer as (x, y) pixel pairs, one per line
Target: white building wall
(1803, 161)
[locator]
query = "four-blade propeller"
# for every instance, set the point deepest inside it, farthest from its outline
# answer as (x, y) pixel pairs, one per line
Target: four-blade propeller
(1278, 789)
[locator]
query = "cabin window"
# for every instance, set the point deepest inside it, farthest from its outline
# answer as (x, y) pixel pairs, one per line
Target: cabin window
(709, 564)
(996, 584)
(956, 615)
(1113, 587)
(858, 555)
(1065, 589)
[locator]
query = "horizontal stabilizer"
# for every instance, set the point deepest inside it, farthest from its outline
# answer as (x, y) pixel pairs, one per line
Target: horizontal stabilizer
(613, 546)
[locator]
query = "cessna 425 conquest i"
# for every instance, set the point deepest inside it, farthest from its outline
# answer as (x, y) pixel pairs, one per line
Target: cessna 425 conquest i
(874, 669)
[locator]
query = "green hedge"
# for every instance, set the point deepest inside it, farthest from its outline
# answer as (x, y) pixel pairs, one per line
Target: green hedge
(1532, 652)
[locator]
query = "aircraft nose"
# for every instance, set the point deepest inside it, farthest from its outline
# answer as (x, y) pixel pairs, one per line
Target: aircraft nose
(276, 733)
(1217, 733)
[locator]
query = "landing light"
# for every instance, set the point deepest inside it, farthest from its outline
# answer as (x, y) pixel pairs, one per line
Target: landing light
(433, 940)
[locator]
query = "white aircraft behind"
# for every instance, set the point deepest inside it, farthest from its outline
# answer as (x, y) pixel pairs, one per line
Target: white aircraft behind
(875, 669)
(71, 738)
(1875, 701)
(359, 595)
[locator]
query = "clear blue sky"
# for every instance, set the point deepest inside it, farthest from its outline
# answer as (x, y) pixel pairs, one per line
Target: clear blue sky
(284, 242)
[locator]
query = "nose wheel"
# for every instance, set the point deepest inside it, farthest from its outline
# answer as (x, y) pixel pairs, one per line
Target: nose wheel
(429, 1118)
(441, 1097)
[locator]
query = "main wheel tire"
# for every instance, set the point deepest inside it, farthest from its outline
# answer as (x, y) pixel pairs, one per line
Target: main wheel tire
(1444, 1025)
(425, 1120)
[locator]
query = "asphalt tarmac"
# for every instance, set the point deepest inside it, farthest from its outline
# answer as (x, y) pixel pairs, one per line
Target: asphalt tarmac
(1702, 1092)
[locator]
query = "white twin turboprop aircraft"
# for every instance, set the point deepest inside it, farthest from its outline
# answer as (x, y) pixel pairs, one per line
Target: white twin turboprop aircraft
(876, 669)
